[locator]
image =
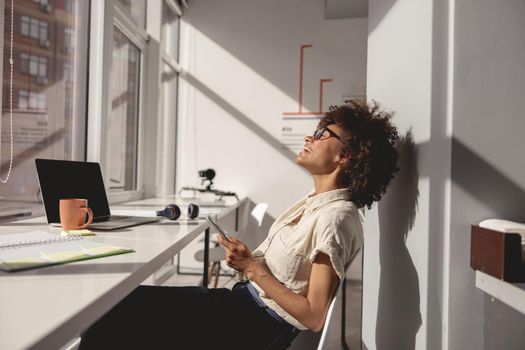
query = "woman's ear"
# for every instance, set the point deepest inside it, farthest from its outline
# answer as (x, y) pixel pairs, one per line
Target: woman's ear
(344, 161)
(344, 158)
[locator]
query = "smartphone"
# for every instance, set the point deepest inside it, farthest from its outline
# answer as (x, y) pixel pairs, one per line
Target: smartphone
(217, 228)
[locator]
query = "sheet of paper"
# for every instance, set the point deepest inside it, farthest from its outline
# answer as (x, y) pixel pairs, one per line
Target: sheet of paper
(37, 248)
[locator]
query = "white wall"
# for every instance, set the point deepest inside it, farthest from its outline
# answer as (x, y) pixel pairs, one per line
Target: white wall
(400, 299)
(453, 72)
(241, 62)
(488, 166)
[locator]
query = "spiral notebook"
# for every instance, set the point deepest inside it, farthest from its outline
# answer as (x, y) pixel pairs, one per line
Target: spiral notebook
(23, 251)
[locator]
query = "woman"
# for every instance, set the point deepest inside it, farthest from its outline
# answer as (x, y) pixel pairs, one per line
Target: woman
(293, 274)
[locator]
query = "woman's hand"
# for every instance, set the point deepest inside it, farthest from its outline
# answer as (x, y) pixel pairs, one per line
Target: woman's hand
(238, 256)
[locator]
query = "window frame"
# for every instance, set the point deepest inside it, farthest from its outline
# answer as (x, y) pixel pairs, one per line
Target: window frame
(90, 120)
(166, 56)
(166, 146)
(2, 20)
(106, 16)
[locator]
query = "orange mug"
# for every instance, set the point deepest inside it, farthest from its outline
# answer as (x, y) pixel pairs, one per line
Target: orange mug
(73, 214)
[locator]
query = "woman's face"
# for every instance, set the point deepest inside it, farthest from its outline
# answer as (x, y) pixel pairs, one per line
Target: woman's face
(322, 156)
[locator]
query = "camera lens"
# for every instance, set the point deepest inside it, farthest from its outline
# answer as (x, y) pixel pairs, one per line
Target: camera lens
(208, 174)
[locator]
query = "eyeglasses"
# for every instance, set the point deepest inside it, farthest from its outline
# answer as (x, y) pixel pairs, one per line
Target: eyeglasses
(318, 134)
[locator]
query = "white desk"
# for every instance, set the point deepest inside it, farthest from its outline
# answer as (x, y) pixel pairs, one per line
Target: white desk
(44, 308)
(512, 294)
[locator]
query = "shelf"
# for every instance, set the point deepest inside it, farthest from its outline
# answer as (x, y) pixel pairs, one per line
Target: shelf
(512, 294)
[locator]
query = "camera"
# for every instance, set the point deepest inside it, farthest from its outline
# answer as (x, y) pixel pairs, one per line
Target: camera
(208, 174)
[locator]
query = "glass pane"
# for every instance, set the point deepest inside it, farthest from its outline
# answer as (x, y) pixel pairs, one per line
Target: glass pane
(166, 142)
(44, 126)
(170, 31)
(123, 117)
(136, 9)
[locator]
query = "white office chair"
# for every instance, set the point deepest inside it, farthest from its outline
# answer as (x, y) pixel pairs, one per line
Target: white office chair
(308, 339)
(249, 236)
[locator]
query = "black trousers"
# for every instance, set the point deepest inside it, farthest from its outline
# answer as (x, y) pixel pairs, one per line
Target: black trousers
(153, 317)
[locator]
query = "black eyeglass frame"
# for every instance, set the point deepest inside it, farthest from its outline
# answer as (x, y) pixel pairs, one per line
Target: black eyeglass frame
(318, 134)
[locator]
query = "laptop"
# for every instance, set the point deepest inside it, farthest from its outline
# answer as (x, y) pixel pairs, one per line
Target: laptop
(70, 179)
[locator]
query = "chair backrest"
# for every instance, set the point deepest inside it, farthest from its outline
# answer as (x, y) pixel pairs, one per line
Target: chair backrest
(307, 339)
(326, 326)
(251, 233)
(329, 317)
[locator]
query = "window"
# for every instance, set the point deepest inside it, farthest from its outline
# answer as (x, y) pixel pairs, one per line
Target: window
(43, 3)
(136, 9)
(34, 28)
(33, 64)
(166, 142)
(165, 183)
(42, 67)
(70, 6)
(24, 62)
(37, 100)
(117, 139)
(123, 116)
(69, 39)
(170, 31)
(68, 74)
(24, 23)
(50, 90)
(48, 116)
(23, 99)
(43, 31)
(31, 100)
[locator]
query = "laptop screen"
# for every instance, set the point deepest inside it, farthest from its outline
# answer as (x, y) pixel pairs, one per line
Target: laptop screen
(69, 179)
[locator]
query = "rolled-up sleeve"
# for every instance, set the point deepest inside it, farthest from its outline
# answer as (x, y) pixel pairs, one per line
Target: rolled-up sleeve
(327, 241)
(336, 235)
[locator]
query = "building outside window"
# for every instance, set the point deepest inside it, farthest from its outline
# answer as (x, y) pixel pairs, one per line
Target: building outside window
(34, 28)
(44, 124)
(69, 39)
(70, 6)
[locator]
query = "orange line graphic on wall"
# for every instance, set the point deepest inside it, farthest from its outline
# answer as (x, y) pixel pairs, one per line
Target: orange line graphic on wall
(321, 84)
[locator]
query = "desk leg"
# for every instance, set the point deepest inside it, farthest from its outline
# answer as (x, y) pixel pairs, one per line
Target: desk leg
(206, 257)
(237, 219)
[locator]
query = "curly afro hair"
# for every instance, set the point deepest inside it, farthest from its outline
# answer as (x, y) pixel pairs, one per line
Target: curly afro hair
(371, 144)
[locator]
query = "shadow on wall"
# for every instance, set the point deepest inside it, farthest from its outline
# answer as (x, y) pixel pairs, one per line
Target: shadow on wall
(380, 10)
(398, 316)
(239, 116)
(490, 185)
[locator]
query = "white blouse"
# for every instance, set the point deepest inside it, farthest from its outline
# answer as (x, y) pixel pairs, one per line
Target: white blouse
(328, 223)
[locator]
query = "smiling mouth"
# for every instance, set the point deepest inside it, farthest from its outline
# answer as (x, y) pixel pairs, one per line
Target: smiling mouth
(307, 149)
